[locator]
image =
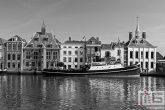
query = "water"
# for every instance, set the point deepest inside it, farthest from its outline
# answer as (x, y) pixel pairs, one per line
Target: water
(75, 93)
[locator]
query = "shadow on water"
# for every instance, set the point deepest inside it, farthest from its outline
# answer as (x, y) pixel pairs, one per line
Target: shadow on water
(75, 93)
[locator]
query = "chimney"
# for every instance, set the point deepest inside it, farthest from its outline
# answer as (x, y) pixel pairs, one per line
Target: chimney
(130, 35)
(69, 38)
(144, 35)
(97, 38)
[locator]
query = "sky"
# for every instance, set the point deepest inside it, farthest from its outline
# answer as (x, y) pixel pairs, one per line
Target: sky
(106, 19)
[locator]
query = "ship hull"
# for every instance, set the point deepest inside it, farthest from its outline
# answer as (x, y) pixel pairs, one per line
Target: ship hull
(127, 71)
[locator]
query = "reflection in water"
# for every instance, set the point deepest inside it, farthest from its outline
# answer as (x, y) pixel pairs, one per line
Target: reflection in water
(74, 93)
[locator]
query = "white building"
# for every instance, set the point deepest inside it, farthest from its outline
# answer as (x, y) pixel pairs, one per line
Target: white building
(139, 50)
(113, 51)
(72, 54)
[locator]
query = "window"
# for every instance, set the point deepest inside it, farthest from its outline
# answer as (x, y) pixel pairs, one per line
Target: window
(137, 54)
(18, 56)
(131, 54)
(28, 55)
(9, 56)
(81, 52)
(152, 64)
(13, 56)
(33, 63)
(76, 52)
(9, 47)
(92, 51)
(19, 46)
(64, 59)
(54, 55)
(64, 46)
(147, 55)
(146, 65)
(118, 52)
(70, 47)
(13, 64)
(27, 63)
(8, 64)
(70, 53)
(76, 47)
(75, 59)
(19, 65)
(48, 54)
(107, 54)
(75, 66)
(35, 55)
(69, 59)
(141, 64)
(64, 52)
(14, 46)
(152, 55)
(69, 66)
(81, 59)
(141, 54)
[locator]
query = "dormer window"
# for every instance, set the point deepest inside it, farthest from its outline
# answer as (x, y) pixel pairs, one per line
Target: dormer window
(135, 41)
(46, 38)
(50, 45)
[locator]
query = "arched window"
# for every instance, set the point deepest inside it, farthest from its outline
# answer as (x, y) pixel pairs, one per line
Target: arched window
(107, 54)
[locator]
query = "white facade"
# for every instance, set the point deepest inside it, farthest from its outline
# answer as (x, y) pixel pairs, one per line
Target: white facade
(147, 62)
(72, 55)
(114, 53)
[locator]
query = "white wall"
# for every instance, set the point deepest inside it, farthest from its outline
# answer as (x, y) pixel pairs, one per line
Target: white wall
(113, 53)
(73, 55)
(144, 59)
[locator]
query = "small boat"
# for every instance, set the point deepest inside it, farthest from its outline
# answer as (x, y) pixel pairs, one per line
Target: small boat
(99, 69)
(3, 70)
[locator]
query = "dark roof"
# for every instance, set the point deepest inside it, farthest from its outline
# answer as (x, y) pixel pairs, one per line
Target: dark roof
(44, 40)
(2, 41)
(18, 38)
(112, 45)
(106, 46)
(95, 40)
(134, 42)
(159, 56)
(74, 41)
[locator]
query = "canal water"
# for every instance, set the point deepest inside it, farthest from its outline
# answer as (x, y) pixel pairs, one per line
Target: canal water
(80, 93)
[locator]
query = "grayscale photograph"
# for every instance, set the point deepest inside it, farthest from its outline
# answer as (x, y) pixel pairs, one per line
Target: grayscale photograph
(82, 55)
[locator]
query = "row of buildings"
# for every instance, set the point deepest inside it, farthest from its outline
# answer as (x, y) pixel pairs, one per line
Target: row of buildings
(45, 51)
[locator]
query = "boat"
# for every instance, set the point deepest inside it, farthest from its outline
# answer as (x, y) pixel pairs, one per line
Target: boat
(98, 69)
(3, 70)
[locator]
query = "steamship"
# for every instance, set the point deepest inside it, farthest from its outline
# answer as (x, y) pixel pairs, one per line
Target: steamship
(97, 69)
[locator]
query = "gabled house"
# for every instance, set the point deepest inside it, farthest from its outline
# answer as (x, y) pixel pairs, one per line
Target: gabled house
(43, 51)
(14, 53)
(93, 50)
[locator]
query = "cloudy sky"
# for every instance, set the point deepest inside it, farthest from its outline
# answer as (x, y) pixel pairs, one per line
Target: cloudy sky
(107, 19)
